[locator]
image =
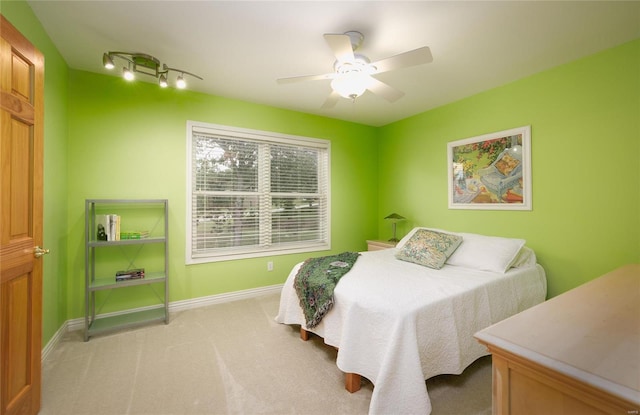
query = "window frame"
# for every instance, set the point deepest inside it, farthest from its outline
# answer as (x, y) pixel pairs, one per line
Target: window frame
(261, 137)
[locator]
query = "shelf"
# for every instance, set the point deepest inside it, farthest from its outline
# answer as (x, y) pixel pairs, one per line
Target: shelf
(133, 202)
(142, 241)
(110, 282)
(128, 320)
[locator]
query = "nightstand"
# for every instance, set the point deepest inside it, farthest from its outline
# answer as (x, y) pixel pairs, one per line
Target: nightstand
(376, 245)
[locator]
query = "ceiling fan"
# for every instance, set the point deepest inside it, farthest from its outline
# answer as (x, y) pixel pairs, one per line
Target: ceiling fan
(353, 72)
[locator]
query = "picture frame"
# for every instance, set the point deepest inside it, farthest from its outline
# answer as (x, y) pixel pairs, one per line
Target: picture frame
(491, 171)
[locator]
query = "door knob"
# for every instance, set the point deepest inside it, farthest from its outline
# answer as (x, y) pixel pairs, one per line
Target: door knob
(38, 252)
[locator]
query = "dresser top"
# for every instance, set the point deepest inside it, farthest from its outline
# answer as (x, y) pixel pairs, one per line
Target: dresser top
(591, 333)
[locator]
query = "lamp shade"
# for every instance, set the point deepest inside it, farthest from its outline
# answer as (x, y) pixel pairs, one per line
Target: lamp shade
(395, 216)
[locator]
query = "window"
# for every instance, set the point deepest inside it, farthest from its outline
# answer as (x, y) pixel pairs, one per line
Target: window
(255, 193)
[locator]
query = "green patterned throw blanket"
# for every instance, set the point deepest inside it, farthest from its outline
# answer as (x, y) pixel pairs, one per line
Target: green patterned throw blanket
(316, 280)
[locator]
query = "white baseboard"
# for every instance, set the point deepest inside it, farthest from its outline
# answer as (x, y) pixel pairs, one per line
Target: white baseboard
(223, 298)
(51, 344)
(78, 323)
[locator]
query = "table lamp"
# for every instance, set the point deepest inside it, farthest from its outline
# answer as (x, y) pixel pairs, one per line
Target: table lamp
(394, 218)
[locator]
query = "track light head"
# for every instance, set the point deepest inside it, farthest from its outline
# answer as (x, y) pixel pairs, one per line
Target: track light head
(107, 61)
(180, 82)
(128, 74)
(162, 81)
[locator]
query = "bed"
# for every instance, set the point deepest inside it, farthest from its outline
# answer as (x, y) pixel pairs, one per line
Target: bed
(398, 322)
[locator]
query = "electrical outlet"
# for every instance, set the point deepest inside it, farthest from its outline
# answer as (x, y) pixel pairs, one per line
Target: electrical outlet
(270, 266)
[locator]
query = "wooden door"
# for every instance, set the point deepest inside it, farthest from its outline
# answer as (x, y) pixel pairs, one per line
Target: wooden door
(21, 152)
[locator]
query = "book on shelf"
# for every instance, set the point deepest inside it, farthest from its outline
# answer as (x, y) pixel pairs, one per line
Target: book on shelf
(130, 274)
(134, 235)
(108, 227)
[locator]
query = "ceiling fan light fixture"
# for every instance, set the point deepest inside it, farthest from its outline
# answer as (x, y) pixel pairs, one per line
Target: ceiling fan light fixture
(351, 77)
(350, 85)
(360, 63)
(354, 73)
(146, 65)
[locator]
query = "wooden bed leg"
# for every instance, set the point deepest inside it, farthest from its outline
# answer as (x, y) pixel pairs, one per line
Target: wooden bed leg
(304, 335)
(352, 382)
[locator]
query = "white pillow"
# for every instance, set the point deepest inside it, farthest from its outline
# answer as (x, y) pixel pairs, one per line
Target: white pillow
(487, 253)
(526, 258)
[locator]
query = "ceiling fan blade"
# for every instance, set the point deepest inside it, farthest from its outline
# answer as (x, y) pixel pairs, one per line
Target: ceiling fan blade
(341, 47)
(413, 57)
(384, 90)
(305, 78)
(331, 100)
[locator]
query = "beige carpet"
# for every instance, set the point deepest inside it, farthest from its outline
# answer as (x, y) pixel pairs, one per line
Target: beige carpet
(229, 358)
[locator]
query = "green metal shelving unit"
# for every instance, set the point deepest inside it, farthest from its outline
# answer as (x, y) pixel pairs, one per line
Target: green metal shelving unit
(158, 210)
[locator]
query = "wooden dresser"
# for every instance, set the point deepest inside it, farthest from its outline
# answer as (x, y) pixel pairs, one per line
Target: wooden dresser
(578, 353)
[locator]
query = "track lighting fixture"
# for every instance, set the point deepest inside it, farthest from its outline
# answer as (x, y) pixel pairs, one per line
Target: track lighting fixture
(147, 65)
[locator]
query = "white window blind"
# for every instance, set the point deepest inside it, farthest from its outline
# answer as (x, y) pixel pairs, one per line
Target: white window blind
(254, 193)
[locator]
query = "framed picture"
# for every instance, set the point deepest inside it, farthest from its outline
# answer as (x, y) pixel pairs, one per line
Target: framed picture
(491, 171)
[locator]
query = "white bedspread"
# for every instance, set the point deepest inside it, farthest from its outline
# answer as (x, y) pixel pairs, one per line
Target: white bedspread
(398, 323)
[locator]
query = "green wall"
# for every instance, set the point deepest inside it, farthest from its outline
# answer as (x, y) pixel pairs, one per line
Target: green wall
(128, 140)
(55, 165)
(106, 138)
(585, 136)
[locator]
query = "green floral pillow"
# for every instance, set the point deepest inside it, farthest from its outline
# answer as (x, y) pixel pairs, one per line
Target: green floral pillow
(429, 248)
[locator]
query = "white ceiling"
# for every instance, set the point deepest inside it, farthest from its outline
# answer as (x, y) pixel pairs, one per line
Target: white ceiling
(240, 48)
